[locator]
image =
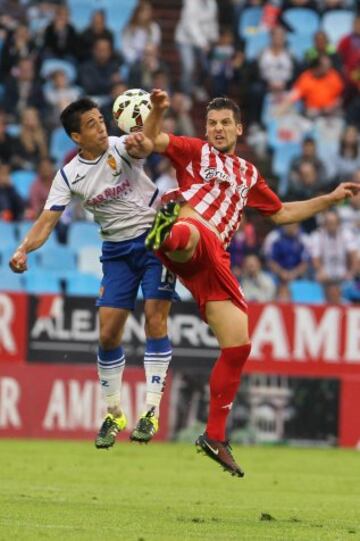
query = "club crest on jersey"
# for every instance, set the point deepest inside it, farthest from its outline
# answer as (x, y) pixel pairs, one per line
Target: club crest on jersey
(112, 163)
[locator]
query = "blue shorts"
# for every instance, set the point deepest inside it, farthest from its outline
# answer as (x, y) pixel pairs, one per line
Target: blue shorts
(128, 265)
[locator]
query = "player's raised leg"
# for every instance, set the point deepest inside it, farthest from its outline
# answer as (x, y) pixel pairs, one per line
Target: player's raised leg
(111, 364)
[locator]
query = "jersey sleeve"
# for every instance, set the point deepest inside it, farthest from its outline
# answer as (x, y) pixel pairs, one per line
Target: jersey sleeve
(60, 194)
(262, 198)
(181, 149)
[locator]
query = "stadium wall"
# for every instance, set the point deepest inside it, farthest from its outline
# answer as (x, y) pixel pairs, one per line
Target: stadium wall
(48, 343)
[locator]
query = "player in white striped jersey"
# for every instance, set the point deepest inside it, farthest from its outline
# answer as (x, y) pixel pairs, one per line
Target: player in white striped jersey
(214, 187)
(108, 176)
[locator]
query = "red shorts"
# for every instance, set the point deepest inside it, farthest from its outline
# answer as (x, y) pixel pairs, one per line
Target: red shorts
(207, 274)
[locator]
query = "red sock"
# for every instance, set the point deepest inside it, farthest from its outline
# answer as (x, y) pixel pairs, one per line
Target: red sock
(178, 238)
(224, 382)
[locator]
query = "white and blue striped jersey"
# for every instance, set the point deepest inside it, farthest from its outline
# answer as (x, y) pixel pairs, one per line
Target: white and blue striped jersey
(114, 188)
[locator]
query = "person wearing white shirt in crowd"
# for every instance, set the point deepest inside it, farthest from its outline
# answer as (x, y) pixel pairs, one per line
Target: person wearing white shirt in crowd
(257, 285)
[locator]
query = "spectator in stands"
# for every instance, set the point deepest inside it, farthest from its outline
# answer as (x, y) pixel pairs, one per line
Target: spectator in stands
(224, 62)
(39, 190)
(244, 242)
(96, 30)
(333, 292)
(308, 154)
(17, 45)
(350, 212)
(59, 92)
(309, 4)
(11, 204)
(142, 73)
(140, 31)
(180, 106)
(99, 73)
(349, 51)
(276, 64)
(167, 180)
(351, 288)
(333, 250)
(347, 160)
(288, 259)
(195, 34)
(306, 184)
(320, 88)
(320, 47)
(258, 286)
(31, 145)
(60, 38)
(22, 90)
(6, 141)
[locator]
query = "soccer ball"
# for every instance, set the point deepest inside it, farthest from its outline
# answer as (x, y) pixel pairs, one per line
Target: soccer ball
(131, 108)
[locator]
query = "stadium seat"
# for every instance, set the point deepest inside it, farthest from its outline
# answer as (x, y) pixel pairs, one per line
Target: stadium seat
(83, 234)
(7, 251)
(89, 262)
(22, 180)
(40, 281)
(283, 155)
(337, 24)
(299, 44)
(249, 21)
(9, 281)
(8, 235)
(255, 44)
(302, 20)
(306, 291)
(60, 145)
(61, 258)
(83, 285)
(56, 64)
(13, 130)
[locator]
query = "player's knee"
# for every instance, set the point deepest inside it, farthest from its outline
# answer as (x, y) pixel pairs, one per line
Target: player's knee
(155, 324)
(108, 339)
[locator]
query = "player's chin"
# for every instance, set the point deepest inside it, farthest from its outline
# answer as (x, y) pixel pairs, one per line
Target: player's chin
(222, 146)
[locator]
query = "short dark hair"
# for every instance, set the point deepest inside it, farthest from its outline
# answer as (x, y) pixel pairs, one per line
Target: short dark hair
(71, 115)
(225, 103)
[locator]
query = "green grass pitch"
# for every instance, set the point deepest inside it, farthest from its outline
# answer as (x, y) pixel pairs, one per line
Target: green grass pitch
(167, 492)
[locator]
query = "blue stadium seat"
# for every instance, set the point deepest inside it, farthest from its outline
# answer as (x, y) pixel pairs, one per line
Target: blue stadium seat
(22, 180)
(7, 234)
(13, 129)
(54, 64)
(61, 258)
(40, 281)
(283, 155)
(83, 285)
(83, 234)
(9, 281)
(89, 260)
(306, 291)
(60, 145)
(337, 24)
(249, 21)
(299, 44)
(302, 20)
(81, 11)
(255, 44)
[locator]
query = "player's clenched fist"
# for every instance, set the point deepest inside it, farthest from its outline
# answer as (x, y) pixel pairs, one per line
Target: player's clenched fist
(159, 99)
(18, 262)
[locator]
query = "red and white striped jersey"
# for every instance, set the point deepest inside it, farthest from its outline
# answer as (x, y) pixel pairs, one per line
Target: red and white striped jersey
(218, 185)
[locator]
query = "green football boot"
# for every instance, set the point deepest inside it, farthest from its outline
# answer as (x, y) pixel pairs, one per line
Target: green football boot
(161, 227)
(146, 427)
(109, 430)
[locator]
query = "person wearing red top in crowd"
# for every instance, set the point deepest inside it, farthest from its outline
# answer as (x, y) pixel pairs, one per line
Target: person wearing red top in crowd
(190, 235)
(349, 51)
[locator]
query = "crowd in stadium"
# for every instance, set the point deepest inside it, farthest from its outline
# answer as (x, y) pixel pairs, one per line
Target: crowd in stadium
(292, 65)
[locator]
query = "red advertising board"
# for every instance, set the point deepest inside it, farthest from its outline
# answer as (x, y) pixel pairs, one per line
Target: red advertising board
(13, 327)
(64, 401)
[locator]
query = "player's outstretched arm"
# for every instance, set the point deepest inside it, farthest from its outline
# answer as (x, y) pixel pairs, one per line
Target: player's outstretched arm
(152, 125)
(35, 238)
(298, 211)
(138, 145)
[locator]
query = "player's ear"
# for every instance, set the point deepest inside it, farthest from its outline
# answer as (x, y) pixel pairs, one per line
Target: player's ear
(75, 136)
(239, 129)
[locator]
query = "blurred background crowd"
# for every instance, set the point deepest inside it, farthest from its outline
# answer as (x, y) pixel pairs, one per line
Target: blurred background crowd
(294, 68)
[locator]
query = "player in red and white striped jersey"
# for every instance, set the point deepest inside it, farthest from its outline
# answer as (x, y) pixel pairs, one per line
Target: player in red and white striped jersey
(214, 187)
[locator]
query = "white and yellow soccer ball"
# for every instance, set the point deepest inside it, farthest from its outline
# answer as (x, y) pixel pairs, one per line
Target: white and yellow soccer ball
(131, 108)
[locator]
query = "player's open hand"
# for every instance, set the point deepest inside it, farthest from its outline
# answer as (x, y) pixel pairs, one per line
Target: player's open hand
(138, 145)
(344, 191)
(160, 99)
(18, 262)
